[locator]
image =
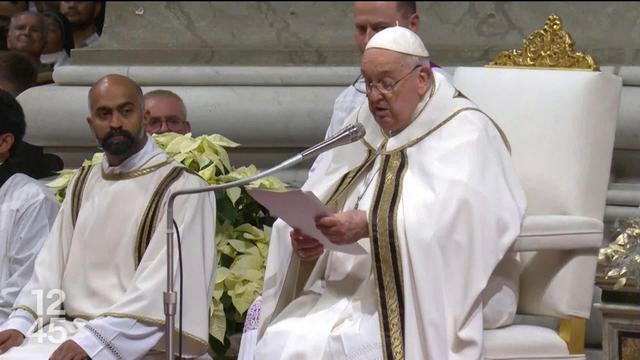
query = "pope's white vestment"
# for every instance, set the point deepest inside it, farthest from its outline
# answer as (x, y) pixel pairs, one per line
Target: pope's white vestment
(107, 265)
(443, 205)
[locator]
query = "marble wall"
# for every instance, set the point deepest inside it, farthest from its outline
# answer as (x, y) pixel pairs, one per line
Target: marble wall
(306, 33)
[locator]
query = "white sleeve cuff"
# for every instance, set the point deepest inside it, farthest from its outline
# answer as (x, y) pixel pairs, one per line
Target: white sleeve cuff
(108, 338)
(87, 341)
(19, 320)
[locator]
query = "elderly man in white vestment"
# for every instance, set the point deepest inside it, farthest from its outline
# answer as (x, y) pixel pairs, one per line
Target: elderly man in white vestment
(370, 17)
(105, 260)
(430, 193)
(27, 209)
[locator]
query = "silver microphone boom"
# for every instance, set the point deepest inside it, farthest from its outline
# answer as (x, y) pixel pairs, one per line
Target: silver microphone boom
(349, 134)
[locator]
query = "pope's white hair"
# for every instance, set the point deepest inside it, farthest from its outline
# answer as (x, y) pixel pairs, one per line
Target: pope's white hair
(413, 61)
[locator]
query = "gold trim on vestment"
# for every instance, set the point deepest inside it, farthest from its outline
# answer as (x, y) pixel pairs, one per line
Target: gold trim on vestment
(336, 201)
(77, 191)
(458, 94)
(139, 318)
(27, 309)
(385, 253)
(150, 217)
(443, 122)
(136, 173)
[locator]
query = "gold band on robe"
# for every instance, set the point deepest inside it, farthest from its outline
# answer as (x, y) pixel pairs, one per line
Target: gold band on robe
(76, 192)
(385, 253)
(151, 213)
(336, 200)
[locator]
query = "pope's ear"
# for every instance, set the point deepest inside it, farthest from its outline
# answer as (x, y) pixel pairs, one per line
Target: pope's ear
(424, 80)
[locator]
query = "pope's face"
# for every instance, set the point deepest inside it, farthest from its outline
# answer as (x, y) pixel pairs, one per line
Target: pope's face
(369, 17)
(393, 109)
(116, 117)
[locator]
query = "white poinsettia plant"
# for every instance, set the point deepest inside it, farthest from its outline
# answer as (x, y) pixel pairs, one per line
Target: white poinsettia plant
(242, 226)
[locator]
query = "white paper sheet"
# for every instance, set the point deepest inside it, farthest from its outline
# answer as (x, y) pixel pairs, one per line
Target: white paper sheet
(300, 209)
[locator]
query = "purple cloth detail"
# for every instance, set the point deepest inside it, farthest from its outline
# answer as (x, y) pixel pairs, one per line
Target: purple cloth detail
(253, 315)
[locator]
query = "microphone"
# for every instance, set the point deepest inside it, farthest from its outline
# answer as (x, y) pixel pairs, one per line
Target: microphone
(348, 135)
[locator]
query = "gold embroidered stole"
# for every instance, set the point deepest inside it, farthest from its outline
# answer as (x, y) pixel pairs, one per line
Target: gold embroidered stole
(385, 253)
(385, 248)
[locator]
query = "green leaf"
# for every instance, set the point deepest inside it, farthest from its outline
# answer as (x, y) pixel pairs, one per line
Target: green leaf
(217, 320)
(222, 141)
(234, 194)
(244, 295)
(246, 262)
(242, 246)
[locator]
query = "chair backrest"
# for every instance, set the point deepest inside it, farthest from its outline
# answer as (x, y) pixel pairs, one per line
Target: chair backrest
(561, 126)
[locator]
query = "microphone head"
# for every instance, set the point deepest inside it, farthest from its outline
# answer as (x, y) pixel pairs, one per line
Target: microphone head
(356, 132)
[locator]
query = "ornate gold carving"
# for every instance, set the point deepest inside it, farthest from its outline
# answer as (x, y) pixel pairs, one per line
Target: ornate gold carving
(551, 47)
(630, 348)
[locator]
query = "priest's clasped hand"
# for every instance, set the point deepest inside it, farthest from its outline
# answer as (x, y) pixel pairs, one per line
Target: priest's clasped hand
(341, 228)
(10, 338)
(69, 350)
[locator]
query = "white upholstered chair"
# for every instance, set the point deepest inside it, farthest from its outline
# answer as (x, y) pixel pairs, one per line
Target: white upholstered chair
(561, 126)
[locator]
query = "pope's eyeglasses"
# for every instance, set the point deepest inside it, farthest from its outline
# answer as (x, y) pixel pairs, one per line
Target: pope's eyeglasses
(385, 86)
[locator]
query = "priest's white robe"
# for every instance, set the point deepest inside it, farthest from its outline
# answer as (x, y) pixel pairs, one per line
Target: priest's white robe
(444, 206)
(27, 213)
(109, 267)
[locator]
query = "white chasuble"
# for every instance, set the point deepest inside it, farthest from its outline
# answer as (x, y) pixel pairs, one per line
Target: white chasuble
(444, 206)
(110, 261)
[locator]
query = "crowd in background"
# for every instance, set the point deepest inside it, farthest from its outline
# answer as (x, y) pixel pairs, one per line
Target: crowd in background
(38, 36)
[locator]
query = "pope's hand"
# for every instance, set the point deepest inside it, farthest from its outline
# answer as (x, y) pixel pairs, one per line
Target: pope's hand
(345, 227)
(305, 247)
(69, 350)
(10, 338)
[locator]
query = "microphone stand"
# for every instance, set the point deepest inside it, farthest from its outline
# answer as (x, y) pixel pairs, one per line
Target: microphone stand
(348, 135)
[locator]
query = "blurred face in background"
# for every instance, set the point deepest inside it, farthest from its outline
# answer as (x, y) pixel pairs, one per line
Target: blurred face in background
(27, 34)
(81, 14)
(369, 17)
(54, 36)
(165, 114)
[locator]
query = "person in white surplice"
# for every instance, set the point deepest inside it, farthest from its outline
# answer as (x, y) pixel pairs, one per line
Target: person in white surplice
(27, 209)
(103, 267)
(430, 193)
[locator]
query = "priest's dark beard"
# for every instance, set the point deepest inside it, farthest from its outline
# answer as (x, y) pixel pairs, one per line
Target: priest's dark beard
(121, 147)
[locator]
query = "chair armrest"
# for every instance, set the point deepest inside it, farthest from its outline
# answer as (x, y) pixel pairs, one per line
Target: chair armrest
(559, 232)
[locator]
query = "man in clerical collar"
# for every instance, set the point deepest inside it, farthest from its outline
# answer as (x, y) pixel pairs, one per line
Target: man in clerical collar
(27, 209)
(429, 193)
(104, 264)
